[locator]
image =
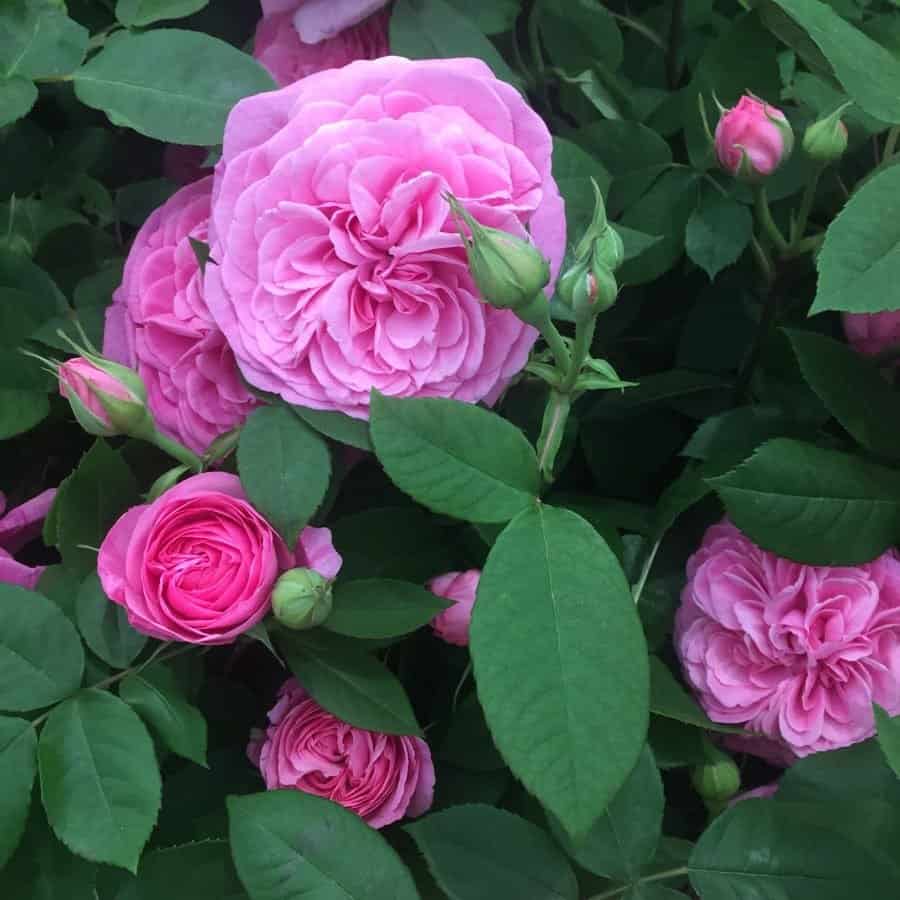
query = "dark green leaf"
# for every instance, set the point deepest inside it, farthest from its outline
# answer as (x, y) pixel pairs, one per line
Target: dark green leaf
(468, 743)
(381, 608)
(579, 34)
(169, 84)
(17, 96)
(154, 694)
(555, 613)
(455, 458)
(343, 678)
(288, 844)
(669, 387)
(669, 699)
(652, 891)
(285, 468)
(889, 737)
(99, 778)
(20, 411)
(337, 426)
(573, 169)
(104, 625)
(718, 232)
(492, 18)
(41, 660)
(813, 505)
(476, 852)
(18, 764)
(38, 40)
(137, 13)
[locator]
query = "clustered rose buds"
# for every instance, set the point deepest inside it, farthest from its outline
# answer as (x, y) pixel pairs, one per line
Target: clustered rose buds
(752, 139)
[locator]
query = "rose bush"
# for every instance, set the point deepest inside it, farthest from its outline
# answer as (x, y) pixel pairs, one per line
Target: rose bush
(488, 483)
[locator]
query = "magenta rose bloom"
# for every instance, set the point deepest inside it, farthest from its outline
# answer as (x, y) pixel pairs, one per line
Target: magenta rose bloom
(752, 138)
(792, 652)
(340, 266)
(380, 777)
(159, 325)
(17, 527)
(871, 333)
(452, 625)
(288, 58)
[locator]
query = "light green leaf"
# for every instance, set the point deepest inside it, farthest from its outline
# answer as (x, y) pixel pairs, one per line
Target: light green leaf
(475, 851)
(888, 737)
(381, 608)
(285, 468)
(38, 40)
(346, 680)
(337, 426)
(170, 84)
(18, 765)
(17, 96)
(813, 505)
(41, 660)
(99, 778)
(455, 458)
(717, 232)
(288, 844)
(154, 694)
(555, 613)
(104, 625)
(859, 264)
(137, 13)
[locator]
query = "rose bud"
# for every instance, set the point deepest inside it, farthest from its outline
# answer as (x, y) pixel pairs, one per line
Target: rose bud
(301, 599)
(752, 139)
(716, 780)
(452, 625)
(826, 140)
(588, 290)
(601, 240)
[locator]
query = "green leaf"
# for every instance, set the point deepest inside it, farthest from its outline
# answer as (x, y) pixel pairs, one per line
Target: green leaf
(859, 264)
(644, 891)
(437, 29)
(769, 850)
(580, 33)
(840, 377)
(104, 625)
(476, 851)
(137, 13)
(670, 387)
(285, 468)
(381, 608)
(337, 426)
(97, 492)
(669, 699)
(41, 660)
(573, 168)
(169, 84)
(468, 743)
(718, 232)
(813, 505)
(342, 677)
(868, 72)
(455, 458)
(17, 96)
(624, 839)
(18, 764)
(38, 40)
(888, 738)
(491, 18)
(555, 613)
(20, 411)
(288, 844)
(99, 778)
(154, 694)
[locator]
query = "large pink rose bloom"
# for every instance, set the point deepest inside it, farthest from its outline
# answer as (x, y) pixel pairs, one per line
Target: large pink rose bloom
(380, 777)
(871, 333)
(340, 267)
(279, 48)
(795, 653)
(452, 625)
(199, 563)
(159, 324)
(19, 526)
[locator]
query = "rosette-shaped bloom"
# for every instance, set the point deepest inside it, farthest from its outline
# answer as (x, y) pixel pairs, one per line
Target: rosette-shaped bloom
(452, 625)
(159, 325)
(871, 333)
(795, 653)
(380, 777)
(340, 266)
(19, 526)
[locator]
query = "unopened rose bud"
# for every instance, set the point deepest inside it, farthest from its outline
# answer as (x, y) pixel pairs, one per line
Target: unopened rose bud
(588, 289)
(716, 780)
(826, 140)
(753, 139)
(301, 599)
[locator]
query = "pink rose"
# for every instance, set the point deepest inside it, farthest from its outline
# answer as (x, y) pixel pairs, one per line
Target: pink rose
(19, 526)
(870, 333)
(380, 777)
(279, 48)
(317, 20)
(752, 136)
(452, 625)
(160, 325)
(80, 379)
(183, 164)
(198, 564)
(340, 268)
(792, 652)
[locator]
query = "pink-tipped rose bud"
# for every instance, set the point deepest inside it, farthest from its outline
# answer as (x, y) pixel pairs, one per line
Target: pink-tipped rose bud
(872, 333)
(452, 625)
(105, 401)
(753, 139)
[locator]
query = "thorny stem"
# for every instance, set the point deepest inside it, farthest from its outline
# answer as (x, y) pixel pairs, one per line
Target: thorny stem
(659, 876)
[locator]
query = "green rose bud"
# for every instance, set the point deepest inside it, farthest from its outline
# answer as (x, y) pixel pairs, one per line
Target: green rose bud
(301, 599)
(717, 780)
(826, 140)
(588, 290)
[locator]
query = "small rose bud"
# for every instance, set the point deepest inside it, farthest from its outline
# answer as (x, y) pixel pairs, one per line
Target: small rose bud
(301, 599)
(753, 139)
(716, 780)
(826, 140)
(588, 290)
(106, 398)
